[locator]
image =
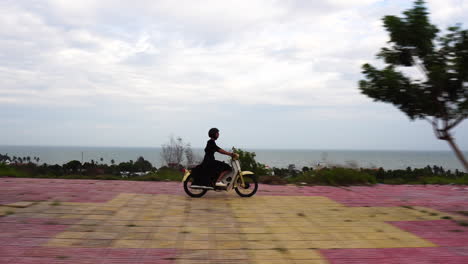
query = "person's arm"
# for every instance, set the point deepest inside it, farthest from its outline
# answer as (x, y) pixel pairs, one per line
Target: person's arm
(222, 151)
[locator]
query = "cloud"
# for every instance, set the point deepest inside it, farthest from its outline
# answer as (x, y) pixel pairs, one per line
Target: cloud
(160, 59)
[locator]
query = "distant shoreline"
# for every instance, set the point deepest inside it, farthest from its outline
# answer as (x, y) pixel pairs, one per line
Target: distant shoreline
(249, 149)
(280, 158)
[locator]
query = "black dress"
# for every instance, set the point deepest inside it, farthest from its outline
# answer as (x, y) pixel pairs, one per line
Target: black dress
(209, 170)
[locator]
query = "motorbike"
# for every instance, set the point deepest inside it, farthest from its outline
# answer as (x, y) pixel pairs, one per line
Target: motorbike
(243, 182)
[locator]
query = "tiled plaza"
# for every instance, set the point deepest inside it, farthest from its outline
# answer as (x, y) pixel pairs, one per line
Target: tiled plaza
(89, 221)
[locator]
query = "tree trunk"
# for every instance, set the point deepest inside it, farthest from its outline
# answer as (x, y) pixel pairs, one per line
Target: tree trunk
(459, 154)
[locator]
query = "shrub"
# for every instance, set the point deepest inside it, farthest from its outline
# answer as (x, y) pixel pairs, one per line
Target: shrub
(162, 174)
(248, 163)
(269, 179)
(334, 176)
(10, 171)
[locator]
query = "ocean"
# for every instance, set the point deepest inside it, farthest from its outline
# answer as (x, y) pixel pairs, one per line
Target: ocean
(280, 158)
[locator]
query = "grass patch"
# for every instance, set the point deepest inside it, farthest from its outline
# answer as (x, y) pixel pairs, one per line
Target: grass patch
(62, 257)
(434, 214)
(462, 223)
(407, 207)
(9, 212)
(185, 232)
(131, 225)
(456, 230)
(463, 213)
(56, 203)
(301, 214)
(446, 217)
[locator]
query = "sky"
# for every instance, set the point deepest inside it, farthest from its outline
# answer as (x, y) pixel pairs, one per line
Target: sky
(280, 74)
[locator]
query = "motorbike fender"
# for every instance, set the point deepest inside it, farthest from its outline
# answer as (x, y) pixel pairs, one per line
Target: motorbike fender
(246, 173)
(187, 173)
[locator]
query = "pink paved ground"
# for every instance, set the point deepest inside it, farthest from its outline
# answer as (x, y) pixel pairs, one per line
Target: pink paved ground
(21, 239)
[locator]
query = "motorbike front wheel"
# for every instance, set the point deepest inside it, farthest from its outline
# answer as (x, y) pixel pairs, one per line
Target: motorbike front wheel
(250, 187)
(197, 193)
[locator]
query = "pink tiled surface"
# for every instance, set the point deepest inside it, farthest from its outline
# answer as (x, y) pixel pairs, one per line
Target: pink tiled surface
(444, 233)
(446, 198)
(397, 255)
(21, 239)
(453, 246)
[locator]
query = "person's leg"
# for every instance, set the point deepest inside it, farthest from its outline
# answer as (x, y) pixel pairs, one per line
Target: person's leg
(221, 176)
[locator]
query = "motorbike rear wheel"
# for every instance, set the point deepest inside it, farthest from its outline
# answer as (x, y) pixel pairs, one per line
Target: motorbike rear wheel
(196, 193)
(250, 188)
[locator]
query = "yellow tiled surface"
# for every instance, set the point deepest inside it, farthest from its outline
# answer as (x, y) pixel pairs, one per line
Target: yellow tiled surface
(261, 229)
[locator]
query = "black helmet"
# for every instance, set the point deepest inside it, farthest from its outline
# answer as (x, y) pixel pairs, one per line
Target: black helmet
(212, 132)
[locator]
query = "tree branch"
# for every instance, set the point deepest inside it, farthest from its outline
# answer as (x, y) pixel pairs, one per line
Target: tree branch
(456, 122)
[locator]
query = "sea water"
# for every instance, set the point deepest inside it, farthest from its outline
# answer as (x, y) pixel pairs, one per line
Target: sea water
(280, 158)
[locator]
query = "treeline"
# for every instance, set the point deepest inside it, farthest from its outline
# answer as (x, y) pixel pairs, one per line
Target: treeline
(142, 169)
(349, 174)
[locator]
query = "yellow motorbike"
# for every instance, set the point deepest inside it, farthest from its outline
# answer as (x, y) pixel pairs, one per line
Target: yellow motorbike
(243, 182)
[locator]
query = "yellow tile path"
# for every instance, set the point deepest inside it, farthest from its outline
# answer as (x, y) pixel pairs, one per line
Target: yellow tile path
(261, 229)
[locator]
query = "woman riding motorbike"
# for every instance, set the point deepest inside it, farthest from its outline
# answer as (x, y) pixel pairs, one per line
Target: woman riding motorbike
(211, 169)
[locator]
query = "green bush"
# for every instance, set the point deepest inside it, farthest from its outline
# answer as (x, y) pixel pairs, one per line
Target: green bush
(9, 171)
(163, 174)
(274, 180)
(248, 163)
(334, 176)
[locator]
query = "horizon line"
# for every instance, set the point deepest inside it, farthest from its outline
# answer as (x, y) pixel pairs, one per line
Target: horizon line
(250, 148)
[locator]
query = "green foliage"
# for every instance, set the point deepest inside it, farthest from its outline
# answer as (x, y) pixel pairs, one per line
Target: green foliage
(163, 174)
(248, 163)
(445, 65)
(73, 166)
(142, 165)
(427, 175)
(6, 170)
(441, 96)
(327, 176)
(272, 179)
(335, 176)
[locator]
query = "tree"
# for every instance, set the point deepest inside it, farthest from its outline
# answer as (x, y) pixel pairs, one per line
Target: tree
(73, 166)
(248, 162)
(142, 165)
(173, 152)
(440, 97)
(191, 157)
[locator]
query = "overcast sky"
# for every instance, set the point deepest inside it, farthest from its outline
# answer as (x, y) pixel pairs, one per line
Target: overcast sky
(267, 73)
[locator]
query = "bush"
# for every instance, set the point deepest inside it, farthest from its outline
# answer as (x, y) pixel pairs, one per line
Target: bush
(275, 180)
(248, 163)
(10, 171)
(334, 176)
(162, 174)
